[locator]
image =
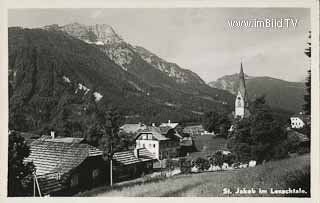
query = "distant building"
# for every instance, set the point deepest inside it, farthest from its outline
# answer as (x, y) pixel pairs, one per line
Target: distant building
(242, 102)
(296, 122)
(159, 145)
(193, 130)
(169, 124)
(133, 128)
(208, 133)
(64, 167)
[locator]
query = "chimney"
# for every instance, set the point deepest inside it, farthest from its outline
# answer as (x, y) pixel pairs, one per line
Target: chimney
(136, 152)
(169, 121)
(52, 134)
(153, 125)
(140, 124)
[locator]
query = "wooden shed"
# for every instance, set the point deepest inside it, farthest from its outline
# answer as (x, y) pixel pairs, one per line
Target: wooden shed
(132, 164)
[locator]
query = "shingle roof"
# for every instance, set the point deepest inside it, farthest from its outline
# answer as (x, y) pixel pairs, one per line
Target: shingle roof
(132, 127)
(156, 135)
(51, 157)
(128, 157)
(164, 129)
(66, 139)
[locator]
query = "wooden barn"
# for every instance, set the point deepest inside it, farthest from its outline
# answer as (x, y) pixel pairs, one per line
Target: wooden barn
(64, 167)
(132, 164)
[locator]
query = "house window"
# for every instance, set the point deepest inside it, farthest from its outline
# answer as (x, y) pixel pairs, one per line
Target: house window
(95, 173)
(143, 145)
(154, 145)
(149, 137)
(74, 180)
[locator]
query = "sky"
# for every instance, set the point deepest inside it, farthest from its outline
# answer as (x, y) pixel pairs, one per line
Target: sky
(199, 39)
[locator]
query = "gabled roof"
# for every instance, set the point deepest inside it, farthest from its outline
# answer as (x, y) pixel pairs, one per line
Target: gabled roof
(133, 127)
(169, 124)
(59, 157)
(156, 135)
(65, 139)
(165, 129)
(128, 157)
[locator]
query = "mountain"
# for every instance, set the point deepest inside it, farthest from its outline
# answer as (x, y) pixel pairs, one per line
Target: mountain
(136, 59)
(56, 79)
(279, 93)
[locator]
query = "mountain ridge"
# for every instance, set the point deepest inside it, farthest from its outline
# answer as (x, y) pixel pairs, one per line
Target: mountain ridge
(279, 93)
(56, 79)
(123, 53)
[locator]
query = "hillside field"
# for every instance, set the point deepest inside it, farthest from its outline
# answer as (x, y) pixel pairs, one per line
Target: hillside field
(207, 144)
(280, 175)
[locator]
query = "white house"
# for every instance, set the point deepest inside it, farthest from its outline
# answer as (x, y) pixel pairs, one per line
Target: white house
(159, 145)
(296, 122)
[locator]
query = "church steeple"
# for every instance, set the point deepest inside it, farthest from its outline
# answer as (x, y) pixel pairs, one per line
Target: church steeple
(242, 85)
(241, 102)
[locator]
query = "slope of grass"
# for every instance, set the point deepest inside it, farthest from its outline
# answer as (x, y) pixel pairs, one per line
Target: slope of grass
(283, 174)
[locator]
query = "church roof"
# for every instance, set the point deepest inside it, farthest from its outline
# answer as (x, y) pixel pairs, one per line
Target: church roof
(242, 84)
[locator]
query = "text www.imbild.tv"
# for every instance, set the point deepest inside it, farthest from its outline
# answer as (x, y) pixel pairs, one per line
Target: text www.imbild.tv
(264, 23)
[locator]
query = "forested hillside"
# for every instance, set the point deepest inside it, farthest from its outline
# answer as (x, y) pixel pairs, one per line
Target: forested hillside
(56, 81)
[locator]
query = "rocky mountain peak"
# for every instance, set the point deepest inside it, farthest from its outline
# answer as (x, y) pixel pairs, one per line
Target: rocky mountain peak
(99, 34)
(105, 33)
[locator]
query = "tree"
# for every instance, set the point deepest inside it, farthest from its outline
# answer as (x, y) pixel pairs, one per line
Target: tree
(110, 140)
(201, 163)
(307, 96)
(217, 122)
(19, 172)
(216, 159)
(258, 136)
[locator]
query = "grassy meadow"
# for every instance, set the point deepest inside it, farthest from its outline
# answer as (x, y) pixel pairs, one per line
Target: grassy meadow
(207, 144)
(282, 174)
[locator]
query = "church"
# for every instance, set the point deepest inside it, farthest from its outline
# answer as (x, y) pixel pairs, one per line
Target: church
(242, 101)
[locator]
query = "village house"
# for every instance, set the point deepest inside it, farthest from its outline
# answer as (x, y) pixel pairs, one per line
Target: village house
(296, 122)
(160, 145)
(65, 166)
(193, 130)
(132, 164)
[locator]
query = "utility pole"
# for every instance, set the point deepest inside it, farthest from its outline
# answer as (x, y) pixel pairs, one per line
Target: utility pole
(111, 181)
(34, 185)
(109, 125)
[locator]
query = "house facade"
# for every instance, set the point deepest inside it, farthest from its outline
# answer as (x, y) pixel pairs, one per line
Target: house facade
(194, 130)
(160, 146)
(296, 122)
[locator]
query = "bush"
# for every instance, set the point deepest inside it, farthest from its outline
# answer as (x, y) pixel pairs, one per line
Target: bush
(185, 165)
(201, 163)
